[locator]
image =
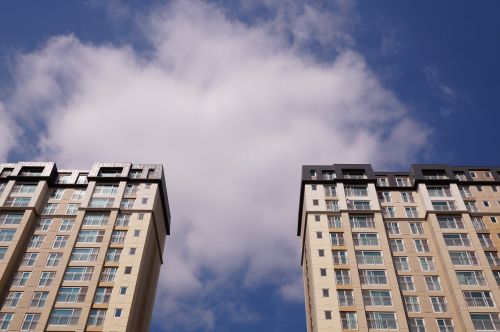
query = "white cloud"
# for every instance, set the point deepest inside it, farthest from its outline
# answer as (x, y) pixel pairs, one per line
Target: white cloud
(232, 112)
(8, 131)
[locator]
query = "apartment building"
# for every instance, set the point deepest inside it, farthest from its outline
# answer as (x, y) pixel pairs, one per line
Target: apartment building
(80, 250)
(406, 251)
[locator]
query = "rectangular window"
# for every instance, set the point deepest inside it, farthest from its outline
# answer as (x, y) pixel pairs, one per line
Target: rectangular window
(377, 298)
(113, 254)
(388, 212)
(11, 218)
(406, 283)
(53, 259)
(365, 239)
(381, 320)
(64, 178)
(492, 257)
(444, 206)
(71, 294)
(6, 235)
(102, 294)
(43, 225)
(108, 274)
(478, 299)
(66, 225)
(122, 220)
(127, 203)
(485, 240)
(433, 283)
(356, 191)
(78, 195)
(101, 202)
(46, 279)
(82, 179)
(337, 239)
(373, 277)
(421, 245)
(439, 191)
(411, 212)
(24, 188)
(450, 222)
(95, 219)
(84, 254)
(36, 241)
(332, 205)
(118, 236)
(334, 222)
(485, 321)
(369, 257)
(392, 228)
(416, 324)
(30, 322)
(445, 325)
(401, 263)
(349, 320)
(382, 182)
(407, 197)
(359, 205)
(411, 303)
(339, 257)
(12, 299)
(471, 278)
(57, 194)
(106, 189)
(72, 209)
(50, 208)
(397, 245)
(456, 239)
(96, 317)
(60, 242)
(21, 279)
(478, 223)
(330, 191)
(3, 251)
(360, 221)
(345, 297)
(416, 228)
(385, 196)
(29, 259)
(439, 304)
(90, 236)
(342, 277)
(427, 264)
(463, 258)
(18, 201)
(78, 273)
(38, 299)
(64, 317)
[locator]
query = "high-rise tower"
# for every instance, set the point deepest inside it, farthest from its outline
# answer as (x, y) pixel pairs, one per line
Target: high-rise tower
(80, 250)
(407, 251)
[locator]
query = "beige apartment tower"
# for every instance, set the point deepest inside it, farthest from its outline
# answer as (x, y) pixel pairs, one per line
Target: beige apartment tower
(80, 250)
(402, 251)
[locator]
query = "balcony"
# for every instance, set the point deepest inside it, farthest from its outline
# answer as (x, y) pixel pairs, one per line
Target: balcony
(358, 205)
(349, 323)
(340, 260)
(366, 241)
(439, 192)
(457, 241)
(342, 280)
(358, 192)
(369, 260)
(377, 301)
(444, 206)
(373, 280)
(471, 207)
(332, 206)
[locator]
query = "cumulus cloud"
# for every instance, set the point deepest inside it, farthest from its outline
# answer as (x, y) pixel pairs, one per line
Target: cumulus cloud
(7, 133)
(232, 111)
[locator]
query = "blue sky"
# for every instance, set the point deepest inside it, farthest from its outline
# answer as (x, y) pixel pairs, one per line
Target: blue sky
(233, 97)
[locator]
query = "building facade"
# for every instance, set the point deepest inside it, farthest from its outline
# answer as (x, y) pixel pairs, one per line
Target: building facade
(406, 251)
(80, 250)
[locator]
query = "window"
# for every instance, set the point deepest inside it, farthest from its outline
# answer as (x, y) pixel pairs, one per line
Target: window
(407, 197)
(463, 258)
(329, 175)
(113, 254)
(18, 201)
(66, 225)
(416, 324)
(101, 202)
(486, 204)
(64, 178)
(24, 188)
(381, 320)
(122, 220)
(365, 239)
(384, 196)
(330, 191)
(345, 297)
(326, 292)
(356, 191)
(21, 279)
(445, 325)
(110, 172)
(478, 299)
(144, 201)
(53, 259)
(82, 178)
(339, 257)
(427, 264)
(406, 283)
(57, 194)
(43, 224)
(64, 316)
(337, 239)
(342, 277)
(127, 203)
(403, 181)
(439, 191)
(334, 222)
(416, 228)
(78, 195)
(439, 304)
(478, 223)
(411, 212)
(322, 272)
(128, 269)
(96, 317)
(6, 172)
(319, 235)
(60, 242)
(373, 277)
(31, 171)
(450, 222)
(29, 259)
(332, 205)
(103, 294)
(315, 202)
(95, 219)
(471, 278)
(38, 299)
(392, 227)
(118, 236)
(132, 189)
(50, 208)
(72, 209)
(90, 236)
(388, 211)
(118, 313)
(349, 320)
(137, 173)
(106, 189)
(46, 279)
(411, 303)
(485, 321)
(131, 252)
(497, 277)
(369, 257)
(6, 235)
(5, 318)
(359, 221)
(36, 241)
(401, 263)
(71, 294)
(457, 239)
(493, 220)
(492, 257)
(485, 240)
(382, 182)
(11, 218)
(421, 245)
(358, 205)
(377, 298)
(30, 322)
(397, 245)
(444, 206)
(109, 273)
(123, 290)
(471, 206)
(140, 216)
(464, 191)
(473, 174)
(433, 283)
(78, 273)
(84, 254)
(3, 251)
(12, 299)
